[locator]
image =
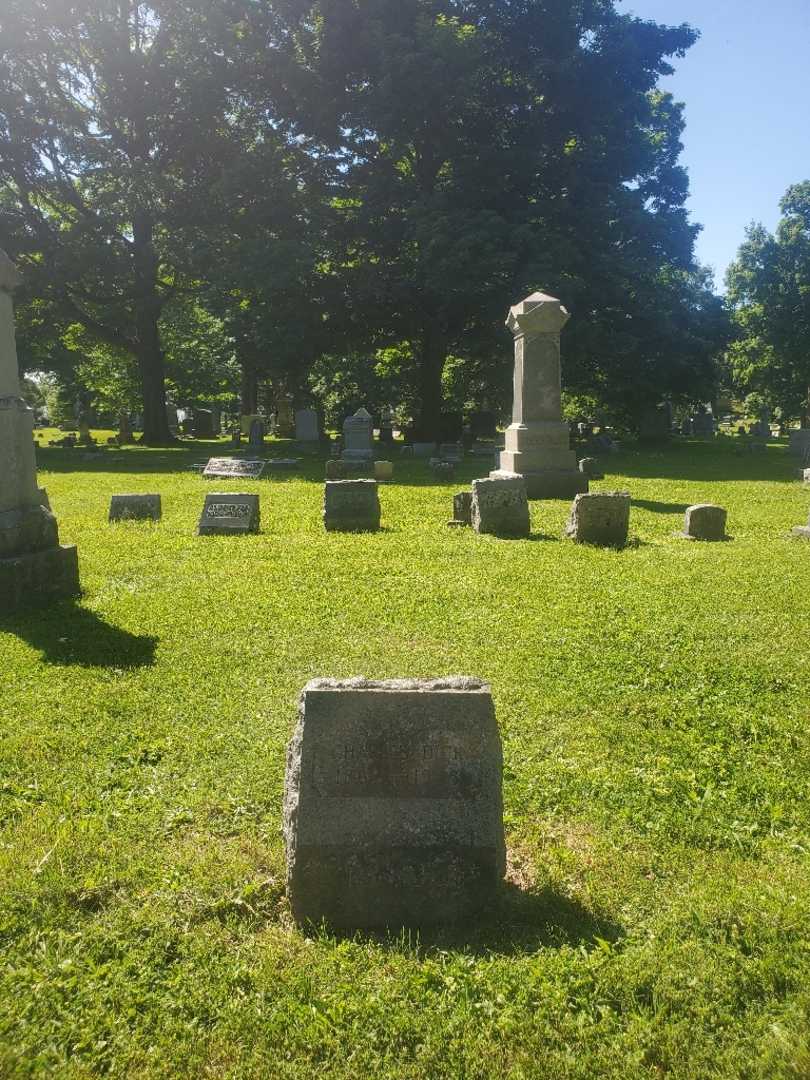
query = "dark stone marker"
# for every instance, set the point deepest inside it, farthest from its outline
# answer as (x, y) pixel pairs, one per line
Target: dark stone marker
(462, 509)
(228, 514)
(135, 508)
(704, 521)
(393, 812)
(351, 506)
(600, 518)
(589, 466)
(234, 468)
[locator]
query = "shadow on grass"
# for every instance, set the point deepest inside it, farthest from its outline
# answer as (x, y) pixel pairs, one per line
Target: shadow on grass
(697, 460)
(520, 921)
(660, 507)
(69, 634)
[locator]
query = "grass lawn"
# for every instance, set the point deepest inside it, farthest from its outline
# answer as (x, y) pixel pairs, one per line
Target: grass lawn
(653, 704)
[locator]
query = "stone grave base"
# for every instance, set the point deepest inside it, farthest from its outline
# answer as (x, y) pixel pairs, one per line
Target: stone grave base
(43, 575)
(550, 483)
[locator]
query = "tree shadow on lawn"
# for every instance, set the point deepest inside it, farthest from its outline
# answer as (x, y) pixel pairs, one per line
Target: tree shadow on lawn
(696, 461)
(660, 507)
(519, 921)
(69, 634)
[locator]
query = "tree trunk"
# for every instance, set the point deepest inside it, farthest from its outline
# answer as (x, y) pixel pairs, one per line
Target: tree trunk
(431, 356)
(151, 361)
(249, 391)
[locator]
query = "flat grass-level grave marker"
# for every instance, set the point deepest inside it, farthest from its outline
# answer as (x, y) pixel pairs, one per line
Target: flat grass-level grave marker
(135, 508)
(393, 811)
(229, 514)
(234, 469)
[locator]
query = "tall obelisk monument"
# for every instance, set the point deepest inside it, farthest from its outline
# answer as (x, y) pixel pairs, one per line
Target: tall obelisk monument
(33, 564)
(537, 441)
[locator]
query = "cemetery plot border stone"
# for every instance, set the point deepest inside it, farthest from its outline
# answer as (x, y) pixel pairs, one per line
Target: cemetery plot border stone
(351, 506)
(229, 514)
(600, 518)
(234, 469)
(500, 506)
(135, 508)
(704, 521)
(393, 812)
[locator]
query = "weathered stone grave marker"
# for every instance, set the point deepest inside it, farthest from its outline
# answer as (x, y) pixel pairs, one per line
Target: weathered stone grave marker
(307, 428)
(601, 518)
(499, 506)
(234, 468)
(393, 811)
(229, 513)
(358, 438)
(704, 521)
(135, 508)
(462, 509)
(351, 506)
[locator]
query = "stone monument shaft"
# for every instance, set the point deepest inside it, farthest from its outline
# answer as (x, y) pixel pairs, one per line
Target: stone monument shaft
(537, 441)
(32, 561)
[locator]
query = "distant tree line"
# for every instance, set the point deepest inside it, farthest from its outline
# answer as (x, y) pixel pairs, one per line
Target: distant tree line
(345, 198)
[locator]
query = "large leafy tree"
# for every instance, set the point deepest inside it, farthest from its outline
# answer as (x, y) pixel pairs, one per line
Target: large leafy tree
(483, 148)
(769, 286)
(113, 126)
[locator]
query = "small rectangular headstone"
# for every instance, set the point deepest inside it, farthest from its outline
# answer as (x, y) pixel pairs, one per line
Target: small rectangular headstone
(351, 506)
(601, 518)
(500, 506)
(135, 508)
(229, 514)
(393, 811)
(234, 468)
(705, 521)
(462, 508)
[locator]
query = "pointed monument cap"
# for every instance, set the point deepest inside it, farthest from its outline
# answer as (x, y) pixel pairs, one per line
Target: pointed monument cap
(537, 314)
(362, 414)
(9, 278)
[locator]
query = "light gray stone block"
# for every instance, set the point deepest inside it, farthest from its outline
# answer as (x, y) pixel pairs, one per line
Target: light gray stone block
(705, 521)
(600, 518)
(229, 514)
(351, 506)
(393, 810)
(135, 508)
(500, 506)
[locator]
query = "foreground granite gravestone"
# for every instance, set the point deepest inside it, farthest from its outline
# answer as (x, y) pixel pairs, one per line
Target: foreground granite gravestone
(229, 514)
(705, 521)
(393, 812)
(537, 440)
(351, 506)
(33, 564)
(234, 469)
(499, 506)
(601, 518)
(135, 508)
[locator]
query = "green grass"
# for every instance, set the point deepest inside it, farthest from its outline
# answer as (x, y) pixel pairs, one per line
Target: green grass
(653, 705)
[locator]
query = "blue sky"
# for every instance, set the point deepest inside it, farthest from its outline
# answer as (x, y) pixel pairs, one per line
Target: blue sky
(746, 88)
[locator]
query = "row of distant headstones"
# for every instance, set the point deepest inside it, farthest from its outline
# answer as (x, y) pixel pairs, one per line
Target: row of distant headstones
(495, 505)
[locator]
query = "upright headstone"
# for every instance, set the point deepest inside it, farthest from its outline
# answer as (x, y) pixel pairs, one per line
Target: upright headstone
(351, 506)
(135, 508)
(203, 424)
(307, 428)
(393, 812)
(591, 468)
(500, 506)
(358, 440)
(33, 564)
(384, 470)
(704, 521)
(462, 509)
(229, 513)
(600, 518)
(284, 426)
(799, 441)
(256, 437)
(537, 440)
